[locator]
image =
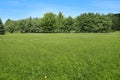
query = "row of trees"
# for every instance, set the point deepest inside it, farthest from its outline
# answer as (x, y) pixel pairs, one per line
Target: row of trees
(50, 22)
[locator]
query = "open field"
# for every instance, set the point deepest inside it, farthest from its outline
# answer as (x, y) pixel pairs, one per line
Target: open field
(60, 56)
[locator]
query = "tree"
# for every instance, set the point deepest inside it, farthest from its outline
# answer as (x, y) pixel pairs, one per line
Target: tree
(29, 25)
(106, 23)
(90, 22)
(21, 24)
(48, 22)
(26, 25)
(36, 25)
(2, 30)
(69, 23)
(10, 25)
(60, 22)
(116, 21)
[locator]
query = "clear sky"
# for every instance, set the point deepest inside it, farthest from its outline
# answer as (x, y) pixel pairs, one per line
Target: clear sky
(19, 9)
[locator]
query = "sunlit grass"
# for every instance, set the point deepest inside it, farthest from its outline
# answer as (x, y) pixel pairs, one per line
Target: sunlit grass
(60, 56)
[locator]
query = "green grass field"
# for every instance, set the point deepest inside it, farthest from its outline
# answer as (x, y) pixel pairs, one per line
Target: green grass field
(60, 56)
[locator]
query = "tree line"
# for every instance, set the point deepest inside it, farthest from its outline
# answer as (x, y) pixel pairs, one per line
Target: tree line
(58, 23)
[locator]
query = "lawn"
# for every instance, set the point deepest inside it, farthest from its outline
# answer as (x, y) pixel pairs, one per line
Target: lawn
(60, 56)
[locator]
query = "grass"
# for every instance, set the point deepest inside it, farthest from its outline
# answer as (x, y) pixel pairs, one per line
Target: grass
(60, 56)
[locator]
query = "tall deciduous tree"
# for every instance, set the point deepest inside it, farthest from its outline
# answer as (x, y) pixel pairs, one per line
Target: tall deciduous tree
(90, 22)
(60, 22)
(11, 25)
(69, 24)
(2, 30)
(48, 22)
(116, 21)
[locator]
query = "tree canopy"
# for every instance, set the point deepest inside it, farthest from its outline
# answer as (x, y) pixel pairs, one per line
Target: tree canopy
(89, 22)
(50, 22)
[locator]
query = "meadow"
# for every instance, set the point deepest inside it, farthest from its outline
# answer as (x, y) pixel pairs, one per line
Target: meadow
(60, 56)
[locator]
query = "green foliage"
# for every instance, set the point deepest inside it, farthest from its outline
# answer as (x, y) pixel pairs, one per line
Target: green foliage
(69, 24)
(86, 22)
(2, 30)
(60, 56)
(48, 22)
(93, 23)
(11, 25)
(22, 25)
(116, 21)
(60, 22)
(28, 25)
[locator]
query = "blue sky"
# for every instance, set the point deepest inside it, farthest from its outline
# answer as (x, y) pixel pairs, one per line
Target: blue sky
(19, 9)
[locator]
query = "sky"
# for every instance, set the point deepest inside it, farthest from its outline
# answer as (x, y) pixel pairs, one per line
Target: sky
(20, 9)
